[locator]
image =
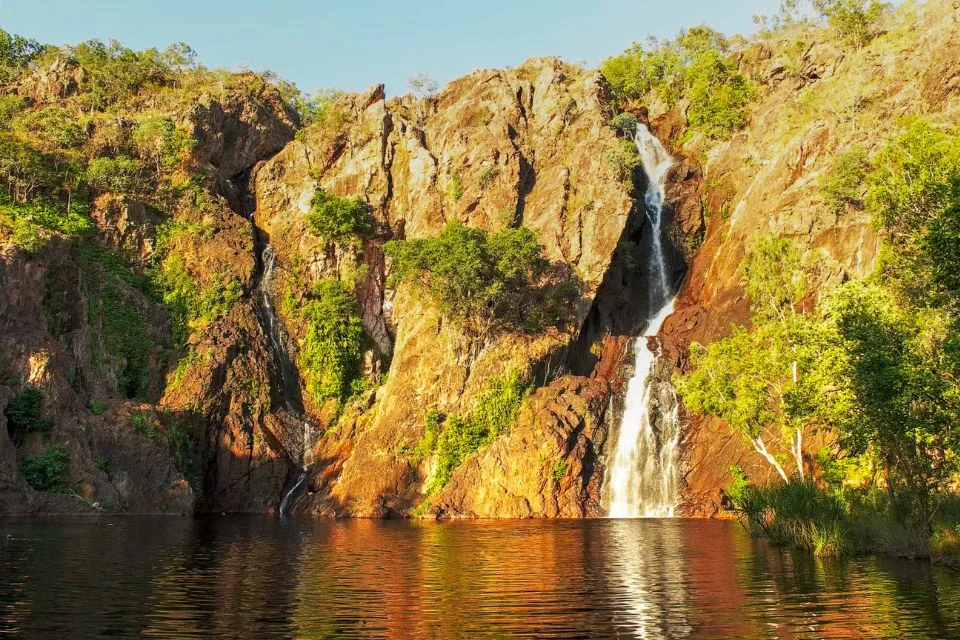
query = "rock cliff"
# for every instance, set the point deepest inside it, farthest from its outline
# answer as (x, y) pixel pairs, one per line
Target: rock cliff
(222, 421)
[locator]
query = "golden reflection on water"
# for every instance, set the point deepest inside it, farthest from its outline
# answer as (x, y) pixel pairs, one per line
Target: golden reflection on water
(266, 578)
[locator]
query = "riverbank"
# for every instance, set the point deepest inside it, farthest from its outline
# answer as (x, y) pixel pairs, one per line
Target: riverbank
(830, 523)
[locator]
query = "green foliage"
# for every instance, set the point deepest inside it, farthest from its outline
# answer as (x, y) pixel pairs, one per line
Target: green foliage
(624, 160)
(146, 424)
(53, 127)
(914, 194)
(718, 95)
(485, 281)
(114, 72)
(46, 473)
(16, 53)
(335, 218)
(693, 67)
(854, 21)
(126, 340)
(27, 220)
(559, 470)
(121, 174)
(332, 349)
(844, 183)
(98, 408)
(738, 482)
(625, 123)
(903, 379)
(25, 414)
(156, 136)
(774, 278)
(454, 438)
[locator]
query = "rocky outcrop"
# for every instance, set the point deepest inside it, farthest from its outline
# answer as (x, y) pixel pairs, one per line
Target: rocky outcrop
(524, 146)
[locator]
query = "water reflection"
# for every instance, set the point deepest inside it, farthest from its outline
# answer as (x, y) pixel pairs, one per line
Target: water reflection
(266, 578)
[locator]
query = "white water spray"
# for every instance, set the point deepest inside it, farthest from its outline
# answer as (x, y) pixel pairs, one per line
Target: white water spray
(643, 475)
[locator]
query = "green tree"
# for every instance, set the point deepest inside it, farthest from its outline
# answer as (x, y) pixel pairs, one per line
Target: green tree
(25, 414)
(338, 219)
(16, 52)
(855, 21)
(905, 385)
(46, 472)
(845, 182)
(485, 281)
(772, 384)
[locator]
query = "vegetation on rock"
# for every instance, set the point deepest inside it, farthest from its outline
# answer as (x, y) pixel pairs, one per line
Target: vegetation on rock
(695, 68)
(453, 438)
(46, 473)
(486, 281)
(877, 364)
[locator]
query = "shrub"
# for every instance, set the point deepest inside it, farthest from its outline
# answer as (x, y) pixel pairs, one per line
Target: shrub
(120, 174)
(843, 184)
(337, 218)
(485, 281)
(46, 472)
(332, 350)
(625, 123)
(454, 438)
(25, 414)
(98, 408)
(624, 160)
(854, 21)
(718, 95)
(692, 66)
(559, 470)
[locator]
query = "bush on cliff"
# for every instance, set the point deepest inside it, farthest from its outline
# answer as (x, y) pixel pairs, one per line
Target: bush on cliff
(338, 219)
(486, 281)
(454, 438)
(46, 472)
(25, 414)
(694, 67)
(332, 349)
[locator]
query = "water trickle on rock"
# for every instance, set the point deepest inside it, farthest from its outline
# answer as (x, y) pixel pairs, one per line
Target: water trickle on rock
(642, 477)
(289, 377)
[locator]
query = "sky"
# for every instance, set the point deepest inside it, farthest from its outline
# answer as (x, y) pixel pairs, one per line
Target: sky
(353, 44)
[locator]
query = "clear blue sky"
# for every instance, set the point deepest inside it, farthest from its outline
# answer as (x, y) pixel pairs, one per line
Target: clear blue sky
(352, 44)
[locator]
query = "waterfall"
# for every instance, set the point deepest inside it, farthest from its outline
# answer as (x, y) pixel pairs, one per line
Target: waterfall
(273, 327)
(642, 477)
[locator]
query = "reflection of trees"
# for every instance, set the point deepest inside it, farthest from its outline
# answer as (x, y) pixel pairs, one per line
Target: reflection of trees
(258, 577)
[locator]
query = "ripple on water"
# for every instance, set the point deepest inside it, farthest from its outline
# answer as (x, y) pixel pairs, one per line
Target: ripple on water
(257, 577)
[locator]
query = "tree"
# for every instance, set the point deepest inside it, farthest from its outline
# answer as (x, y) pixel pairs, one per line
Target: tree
(16, 52)
(853, 20)
(422, 85)
(484, 281)
(332, 350)
(770, 384)
(906, 391)
(338, 219)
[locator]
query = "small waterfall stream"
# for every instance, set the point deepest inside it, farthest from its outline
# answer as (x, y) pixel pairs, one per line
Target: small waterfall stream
(277, 335)
(642, 477)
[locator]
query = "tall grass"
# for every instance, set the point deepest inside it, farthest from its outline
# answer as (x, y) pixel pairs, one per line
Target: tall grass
(830, 523)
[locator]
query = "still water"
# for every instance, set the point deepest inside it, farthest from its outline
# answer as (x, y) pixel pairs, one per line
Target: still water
(257, 577)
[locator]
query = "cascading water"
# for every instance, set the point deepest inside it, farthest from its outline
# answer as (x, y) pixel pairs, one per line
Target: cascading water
(642, 476)
(289, 377)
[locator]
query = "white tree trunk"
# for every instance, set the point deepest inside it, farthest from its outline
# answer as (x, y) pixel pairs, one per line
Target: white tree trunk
(761, 448)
